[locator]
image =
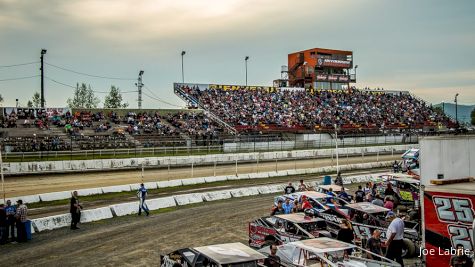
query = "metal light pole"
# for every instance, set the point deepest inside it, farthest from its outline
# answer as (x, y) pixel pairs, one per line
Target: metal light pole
(443, 107)
(43, 52)
(182, 68)
(456, 109)
(245, 62)
(356, 66)
(336, 151)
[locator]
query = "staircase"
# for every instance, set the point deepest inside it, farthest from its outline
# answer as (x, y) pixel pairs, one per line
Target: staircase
(191, 100)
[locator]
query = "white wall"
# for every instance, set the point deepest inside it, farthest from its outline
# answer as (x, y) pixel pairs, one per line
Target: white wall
(453, 157)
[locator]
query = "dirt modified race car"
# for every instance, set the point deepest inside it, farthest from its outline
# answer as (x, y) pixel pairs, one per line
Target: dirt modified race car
(229, 255)
(365, 218)
(318, 200)
(285, 228)
(326, 252)
(406, 187)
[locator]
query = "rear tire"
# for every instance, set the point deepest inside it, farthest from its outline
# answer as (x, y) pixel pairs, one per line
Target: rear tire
(409, 248)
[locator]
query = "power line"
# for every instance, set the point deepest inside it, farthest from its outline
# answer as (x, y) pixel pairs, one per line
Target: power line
(74, 87)
(158, 99)
(19, 78)
(89, 75)
(20, 64)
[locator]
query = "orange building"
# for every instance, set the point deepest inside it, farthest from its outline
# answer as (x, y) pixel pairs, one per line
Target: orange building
(321, 68)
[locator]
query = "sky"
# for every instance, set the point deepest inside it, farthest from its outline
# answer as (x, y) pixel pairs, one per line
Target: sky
(424, 46)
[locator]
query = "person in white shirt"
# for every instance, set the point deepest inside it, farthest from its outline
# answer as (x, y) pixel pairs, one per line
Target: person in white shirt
(395, 235)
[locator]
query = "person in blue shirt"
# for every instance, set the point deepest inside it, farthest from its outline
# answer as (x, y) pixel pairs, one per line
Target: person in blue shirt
(11, 211)
(288, 206)
(330, 196)
(343, 195)
(142, 195)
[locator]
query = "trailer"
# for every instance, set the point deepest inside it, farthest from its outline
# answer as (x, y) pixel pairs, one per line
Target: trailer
(448, 219)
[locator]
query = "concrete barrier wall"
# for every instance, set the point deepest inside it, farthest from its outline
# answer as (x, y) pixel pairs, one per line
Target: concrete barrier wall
(55, 196)
(133, 163)
(193, 181)
(123, 209)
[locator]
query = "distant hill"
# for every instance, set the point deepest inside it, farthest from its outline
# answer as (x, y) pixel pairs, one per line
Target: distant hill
(463, 111)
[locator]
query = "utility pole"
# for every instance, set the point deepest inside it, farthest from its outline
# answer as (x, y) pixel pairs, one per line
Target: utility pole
(43, 52)
(139, 85)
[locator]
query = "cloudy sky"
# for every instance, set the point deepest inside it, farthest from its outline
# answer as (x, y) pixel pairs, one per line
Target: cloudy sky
(424, 46)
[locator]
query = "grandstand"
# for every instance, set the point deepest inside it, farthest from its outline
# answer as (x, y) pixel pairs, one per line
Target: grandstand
(238, 113)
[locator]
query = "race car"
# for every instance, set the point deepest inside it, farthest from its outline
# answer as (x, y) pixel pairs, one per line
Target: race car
(318, 200)
(365, 218)
(284, 228)
(406, 187)
(326, 252)
(230, 254)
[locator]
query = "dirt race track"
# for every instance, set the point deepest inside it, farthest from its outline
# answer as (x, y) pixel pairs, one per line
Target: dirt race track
(138, 241)
(30, 185)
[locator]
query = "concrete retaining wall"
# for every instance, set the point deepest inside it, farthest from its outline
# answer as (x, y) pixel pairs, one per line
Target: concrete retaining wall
(193, 181)
(123, 209)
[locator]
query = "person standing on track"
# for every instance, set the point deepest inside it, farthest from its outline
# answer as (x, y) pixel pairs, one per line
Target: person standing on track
(11, 211)
(21, 217)
(142, 195)
(75, 210)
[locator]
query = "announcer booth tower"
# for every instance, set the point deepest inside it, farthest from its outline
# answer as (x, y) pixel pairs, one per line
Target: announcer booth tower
(321, 68)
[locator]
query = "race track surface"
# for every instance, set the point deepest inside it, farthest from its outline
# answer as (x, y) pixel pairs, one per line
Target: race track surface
(30, 185)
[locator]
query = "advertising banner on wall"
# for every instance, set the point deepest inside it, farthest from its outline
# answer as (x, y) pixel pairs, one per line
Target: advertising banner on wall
(24, 113)
(332, 78)
(224, 87)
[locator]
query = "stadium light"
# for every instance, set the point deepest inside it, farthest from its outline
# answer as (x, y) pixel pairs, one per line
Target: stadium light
(182, 68)
(456, 109)
(245, 62)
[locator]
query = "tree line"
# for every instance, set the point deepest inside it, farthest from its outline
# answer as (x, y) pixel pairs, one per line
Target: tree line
(84, 97)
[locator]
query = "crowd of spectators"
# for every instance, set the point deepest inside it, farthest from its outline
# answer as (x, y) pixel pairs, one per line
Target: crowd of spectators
(34, 143)
(195, 125)
(323, 108)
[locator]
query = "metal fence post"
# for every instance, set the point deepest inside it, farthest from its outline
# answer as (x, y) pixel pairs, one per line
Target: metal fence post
(214, 169)
(257, 162)
(236, 166)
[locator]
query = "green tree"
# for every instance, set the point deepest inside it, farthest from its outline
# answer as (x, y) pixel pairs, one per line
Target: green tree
(29, 104)
(36, 100)
(114, 99)
(83, 97)
(473, 116)
(1, 99)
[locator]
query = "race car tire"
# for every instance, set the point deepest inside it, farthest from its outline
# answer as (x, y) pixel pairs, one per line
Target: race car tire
(409, 249)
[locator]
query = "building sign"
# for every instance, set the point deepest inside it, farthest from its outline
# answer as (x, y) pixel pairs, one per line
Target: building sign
(332, 78)
(335, 63)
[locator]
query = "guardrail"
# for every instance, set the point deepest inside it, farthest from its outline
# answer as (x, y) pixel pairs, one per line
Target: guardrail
(226, 147)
